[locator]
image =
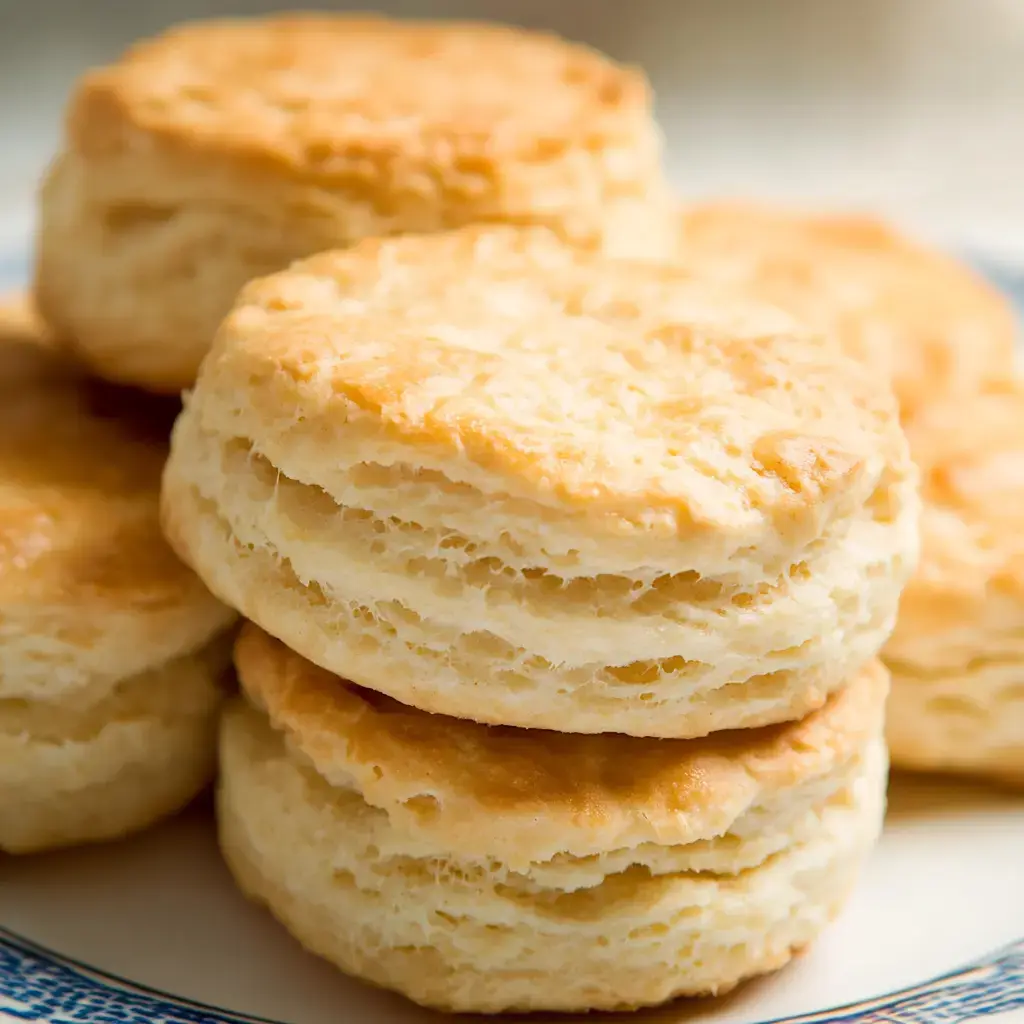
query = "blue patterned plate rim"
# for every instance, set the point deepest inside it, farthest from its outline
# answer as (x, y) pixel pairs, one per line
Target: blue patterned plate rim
(39, 986)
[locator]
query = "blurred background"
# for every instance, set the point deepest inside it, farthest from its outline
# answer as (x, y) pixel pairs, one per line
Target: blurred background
(911, 107)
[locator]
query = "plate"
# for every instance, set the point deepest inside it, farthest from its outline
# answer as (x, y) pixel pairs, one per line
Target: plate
(152, 931)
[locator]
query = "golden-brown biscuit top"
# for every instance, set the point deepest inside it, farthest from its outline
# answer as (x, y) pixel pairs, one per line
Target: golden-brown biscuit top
(623, 390)
(928, 320)
(80, 468)
(347, 97)
(544, 792)
(971, 455)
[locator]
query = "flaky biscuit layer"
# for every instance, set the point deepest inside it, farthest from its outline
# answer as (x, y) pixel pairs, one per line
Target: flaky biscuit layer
(97, 769)
(957, 654)
(487, 869)
(739, 680)
(436, 776)
(965, 720)
(549, 491)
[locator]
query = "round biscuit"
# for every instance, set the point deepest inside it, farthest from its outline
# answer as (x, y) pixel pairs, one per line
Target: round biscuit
(503, 479)
(485, 869)
(223, 150)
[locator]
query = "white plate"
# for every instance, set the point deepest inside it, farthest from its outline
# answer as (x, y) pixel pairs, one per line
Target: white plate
(944, 889)
(151, 931)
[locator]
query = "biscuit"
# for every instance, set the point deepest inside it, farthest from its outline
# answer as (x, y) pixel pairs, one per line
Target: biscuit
(499, 478)
(957, 655)
(111, 660)
(225, 150)
(479, 868)
(919, 316)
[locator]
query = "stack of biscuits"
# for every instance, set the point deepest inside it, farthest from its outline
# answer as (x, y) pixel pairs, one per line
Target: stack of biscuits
(565, 578)
(568, 527)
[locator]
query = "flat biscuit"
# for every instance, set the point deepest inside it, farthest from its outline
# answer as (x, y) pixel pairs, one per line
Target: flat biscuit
(957, 655)
(224, 150)
(93, 604)
(920, 316)
(506, 480)
(480, 868)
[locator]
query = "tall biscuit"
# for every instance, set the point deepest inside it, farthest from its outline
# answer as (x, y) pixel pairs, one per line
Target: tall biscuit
(503, 479)
(221, 151)
(111, 651)
(479, 868)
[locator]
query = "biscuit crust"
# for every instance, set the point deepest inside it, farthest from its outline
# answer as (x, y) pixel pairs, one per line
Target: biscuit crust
(221, 151)
(912, 312)
(357, 99)
(438, 777)
(619, 395)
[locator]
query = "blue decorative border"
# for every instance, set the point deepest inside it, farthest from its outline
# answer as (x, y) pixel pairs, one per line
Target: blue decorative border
(39, 987)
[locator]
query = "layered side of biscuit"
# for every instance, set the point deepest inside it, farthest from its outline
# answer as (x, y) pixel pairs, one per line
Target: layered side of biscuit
(487, 868)
(112, 653)
(957, 655)
(550, 492)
